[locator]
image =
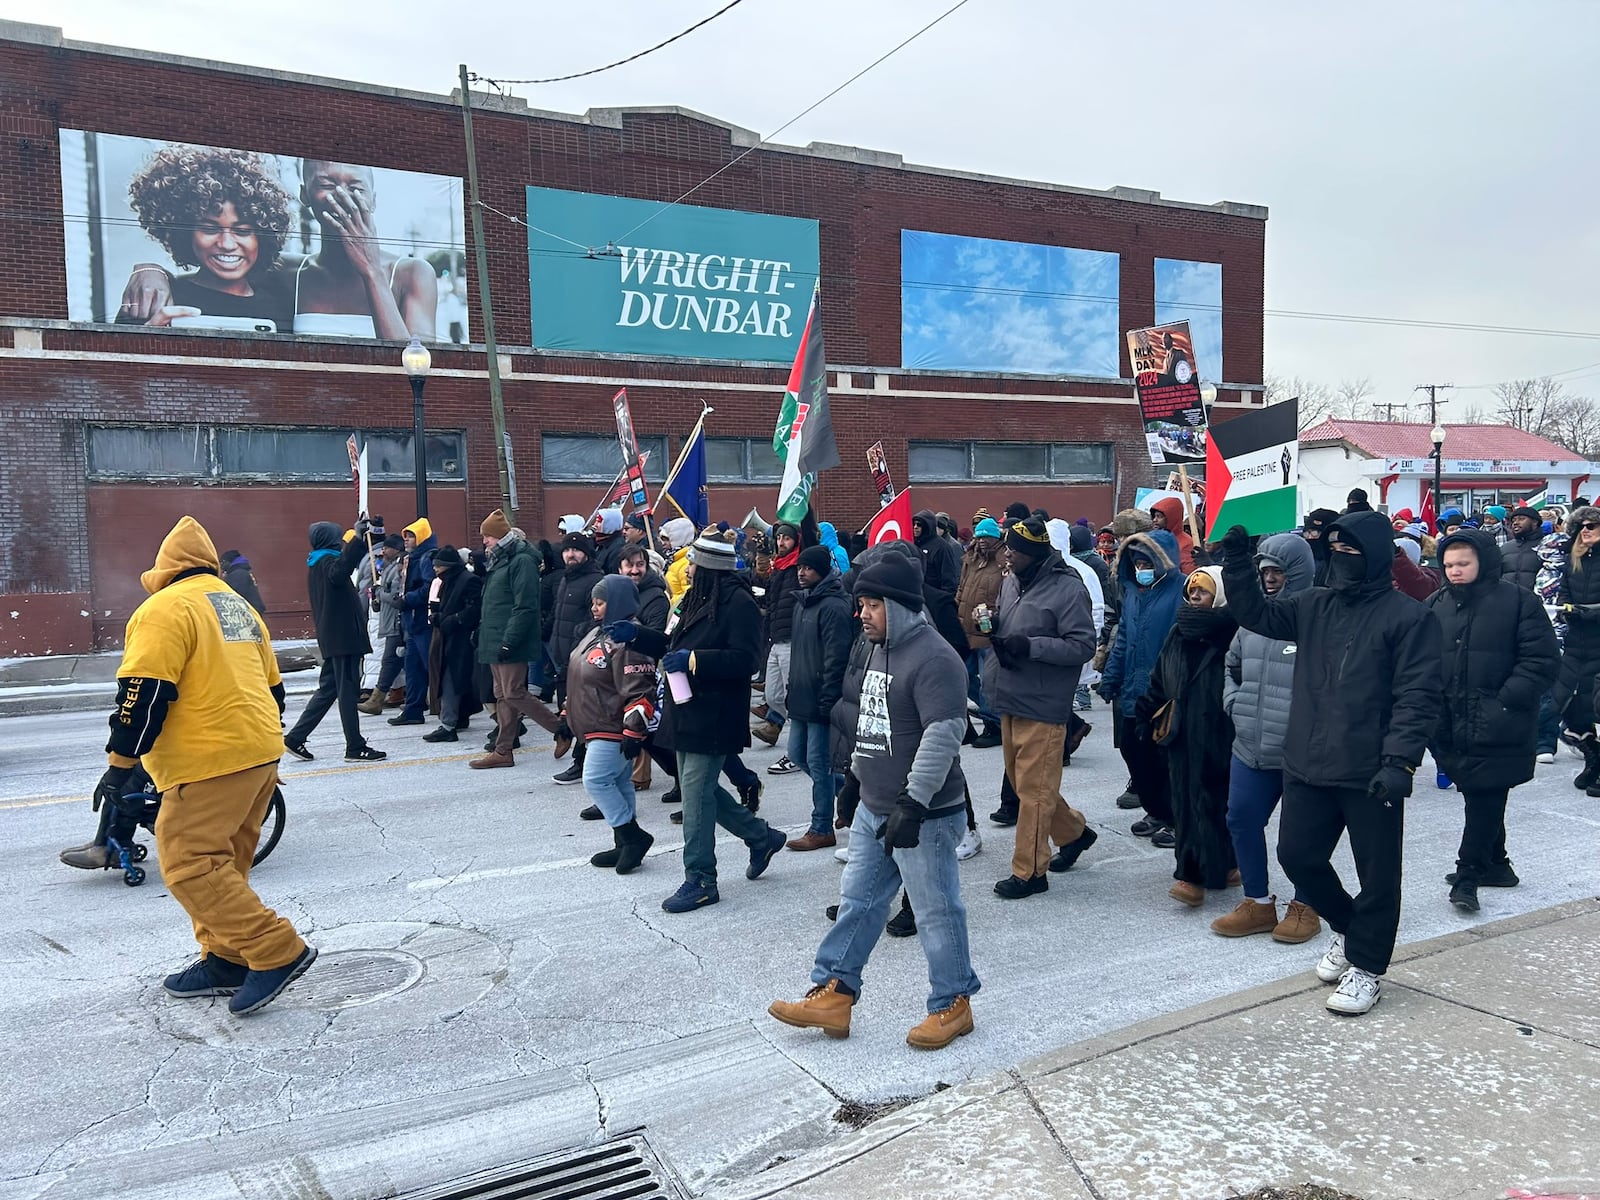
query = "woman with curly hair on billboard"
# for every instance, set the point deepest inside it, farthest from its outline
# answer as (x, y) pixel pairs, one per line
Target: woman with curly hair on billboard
(222, 214)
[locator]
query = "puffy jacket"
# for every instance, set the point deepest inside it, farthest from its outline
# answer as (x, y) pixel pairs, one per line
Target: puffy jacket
(678, 576)
(941, 558)
(828, 537)
(419, 579)
(725, 637)
(391, 599)
(511, 599)
(1260, 670)
(845, 715)
(1172, 509)
(572, 619)
(783, 588)
(1146, 615)
(1499, 655)
(1052, 611)
(339, 614)
(1521, 559)
(1366, 678)
(819, 649)
(1578, 600)
(611, 689)
(980, 584)
(654, 606)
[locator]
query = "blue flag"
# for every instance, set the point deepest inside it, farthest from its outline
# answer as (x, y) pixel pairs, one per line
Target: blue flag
(685, 488)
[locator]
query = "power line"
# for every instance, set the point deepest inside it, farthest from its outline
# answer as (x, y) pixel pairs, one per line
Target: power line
(802, 113)
(621, 62)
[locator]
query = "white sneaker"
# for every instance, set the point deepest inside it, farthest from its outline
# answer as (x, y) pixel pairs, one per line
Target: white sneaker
(970, 845)
(842, 853)
(1357, 992)
(784, 766)
(1333, 964)
(1546, 758)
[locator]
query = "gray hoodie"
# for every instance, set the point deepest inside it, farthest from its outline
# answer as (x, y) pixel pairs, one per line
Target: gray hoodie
(1260, 670)
(913, 713)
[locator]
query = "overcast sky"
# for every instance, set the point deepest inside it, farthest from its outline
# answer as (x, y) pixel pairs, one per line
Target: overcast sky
(1432, 161)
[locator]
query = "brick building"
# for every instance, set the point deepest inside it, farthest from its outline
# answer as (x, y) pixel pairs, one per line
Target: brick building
(117, 430)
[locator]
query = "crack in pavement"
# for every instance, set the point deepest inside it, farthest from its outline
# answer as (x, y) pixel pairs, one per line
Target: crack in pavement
(1049, 1127)
(383, 838)
(143, 1102)
(602, 1109)
(699, 963)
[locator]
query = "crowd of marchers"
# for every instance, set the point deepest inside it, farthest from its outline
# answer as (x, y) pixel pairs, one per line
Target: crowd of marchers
(1311, 669)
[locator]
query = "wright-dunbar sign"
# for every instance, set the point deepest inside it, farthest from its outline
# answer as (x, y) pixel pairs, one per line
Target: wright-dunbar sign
(667, 281)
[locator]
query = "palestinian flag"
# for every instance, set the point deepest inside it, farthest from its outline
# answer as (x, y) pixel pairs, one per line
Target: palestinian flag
(804, 436)
(1252, 466)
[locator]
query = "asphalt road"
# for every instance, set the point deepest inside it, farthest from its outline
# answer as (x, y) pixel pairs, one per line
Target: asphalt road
(474, 963)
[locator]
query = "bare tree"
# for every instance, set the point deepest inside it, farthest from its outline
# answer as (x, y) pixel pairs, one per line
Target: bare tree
(1350, 400)
(1530, 403)
(1574, 422)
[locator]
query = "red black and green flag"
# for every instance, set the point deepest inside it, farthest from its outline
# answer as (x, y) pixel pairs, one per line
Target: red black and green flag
(804, 437)
(1252, 470)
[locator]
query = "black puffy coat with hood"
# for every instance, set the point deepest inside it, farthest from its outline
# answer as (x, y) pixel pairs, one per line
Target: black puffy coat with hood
(570, 619)
(339, 615)
(1499, 655)
(1578, 598)
(1367, 662)
(823, 634)
(941, 558)
(1521, 561)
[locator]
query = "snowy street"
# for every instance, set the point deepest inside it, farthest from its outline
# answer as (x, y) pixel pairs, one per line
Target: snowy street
(484, 995)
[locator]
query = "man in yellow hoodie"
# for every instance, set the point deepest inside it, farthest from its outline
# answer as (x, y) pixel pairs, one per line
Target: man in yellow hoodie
(199, 699)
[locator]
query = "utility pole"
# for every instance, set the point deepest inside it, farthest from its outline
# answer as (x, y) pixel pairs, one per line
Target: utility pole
(1433, 398)
(1436, 436)
(1387, 409)
(491, 352)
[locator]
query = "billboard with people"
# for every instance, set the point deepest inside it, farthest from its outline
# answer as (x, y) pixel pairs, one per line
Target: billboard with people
(978, 304)
(176, 235)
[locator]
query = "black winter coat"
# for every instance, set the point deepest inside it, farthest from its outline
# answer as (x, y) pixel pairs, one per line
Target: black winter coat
(846, 713)
(725, 636)
(1366, 676)
(1521, 561)
(454, 622)
(783, 589)
(941, 558)
(339, 615)
(1190, 672)
(242, 579)
(570, 618)
(1499, 656)
(1580, 651)
(820, 649)
(654, 605)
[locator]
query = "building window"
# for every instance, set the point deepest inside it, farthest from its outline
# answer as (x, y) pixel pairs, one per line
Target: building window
(596, 458)
(742, 460)
(261, 452)
(1034, 462)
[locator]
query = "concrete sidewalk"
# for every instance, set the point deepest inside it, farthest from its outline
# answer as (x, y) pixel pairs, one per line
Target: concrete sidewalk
(1478, 1075)
(69, 683)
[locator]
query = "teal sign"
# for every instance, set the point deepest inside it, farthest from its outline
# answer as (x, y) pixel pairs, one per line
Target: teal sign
(668, 281)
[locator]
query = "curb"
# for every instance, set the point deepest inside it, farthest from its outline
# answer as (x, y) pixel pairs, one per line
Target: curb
(47, 700)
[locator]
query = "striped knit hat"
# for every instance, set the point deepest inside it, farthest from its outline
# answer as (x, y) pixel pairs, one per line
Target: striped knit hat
(711, 553)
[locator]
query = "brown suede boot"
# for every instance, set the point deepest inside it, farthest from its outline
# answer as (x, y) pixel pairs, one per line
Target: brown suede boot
(1300, 924)
(492, 759)
(1191, 894)
(768, 732)
(373, 704)
(1249, 917)
(826, 1007)
(813, 841)
(938, 1030)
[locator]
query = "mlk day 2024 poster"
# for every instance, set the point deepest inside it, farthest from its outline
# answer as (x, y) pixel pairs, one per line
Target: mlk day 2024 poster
(1167, 381)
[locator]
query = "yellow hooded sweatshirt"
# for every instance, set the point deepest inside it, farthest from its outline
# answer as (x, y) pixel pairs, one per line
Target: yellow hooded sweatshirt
(420, 529)
(198, 684)
(678, 577)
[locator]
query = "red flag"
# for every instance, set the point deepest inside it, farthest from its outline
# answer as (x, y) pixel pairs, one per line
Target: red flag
(1425, 513)
(893, 522)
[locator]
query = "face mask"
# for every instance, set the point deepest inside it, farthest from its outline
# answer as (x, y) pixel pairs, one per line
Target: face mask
(1145, 576)
(1346, 572)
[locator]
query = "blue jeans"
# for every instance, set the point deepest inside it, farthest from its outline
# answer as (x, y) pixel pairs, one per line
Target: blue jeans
(808, 747)
(608, 778)
(1549, 724)
(871, 879)
(705, 806)
(1252, 795)
(416, 661)
(975, 661)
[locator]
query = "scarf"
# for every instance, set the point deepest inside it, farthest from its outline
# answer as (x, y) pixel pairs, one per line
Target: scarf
(788, 560)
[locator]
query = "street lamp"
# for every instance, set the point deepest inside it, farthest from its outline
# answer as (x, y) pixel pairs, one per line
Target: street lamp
(415, 359)
(1436, 436)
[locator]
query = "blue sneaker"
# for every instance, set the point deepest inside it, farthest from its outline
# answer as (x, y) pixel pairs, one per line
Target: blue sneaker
(761, 852)
(693, 894)
(208, 976)
(1442, 780)
(261, 988)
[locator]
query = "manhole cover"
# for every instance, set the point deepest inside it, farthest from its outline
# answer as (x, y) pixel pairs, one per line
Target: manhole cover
(351, 978)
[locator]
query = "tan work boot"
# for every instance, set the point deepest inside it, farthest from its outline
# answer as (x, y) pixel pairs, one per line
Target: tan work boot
(1191, 894)
(1249, 917)
(373, 704)
(938, 1030)
(826, 1007)
(768, 732)
(1300, 924)
(492, 759)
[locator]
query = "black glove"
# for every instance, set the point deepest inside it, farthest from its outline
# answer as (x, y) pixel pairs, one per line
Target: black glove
(902, 830)
(1236, 544)
(563, 730)
(632, 747)
(111, 786)
(1012, 647)
(1392, 782)
(503, 654)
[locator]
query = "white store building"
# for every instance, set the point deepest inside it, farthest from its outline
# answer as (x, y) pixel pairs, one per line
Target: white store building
(1393, 462)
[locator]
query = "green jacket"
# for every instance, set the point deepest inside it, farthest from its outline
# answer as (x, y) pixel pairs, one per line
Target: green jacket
(510, 605)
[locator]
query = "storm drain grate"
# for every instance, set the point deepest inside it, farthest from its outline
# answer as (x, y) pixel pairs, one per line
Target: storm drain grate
(623, 1169)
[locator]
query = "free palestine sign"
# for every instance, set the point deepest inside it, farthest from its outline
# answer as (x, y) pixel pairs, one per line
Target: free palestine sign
(1253, 471)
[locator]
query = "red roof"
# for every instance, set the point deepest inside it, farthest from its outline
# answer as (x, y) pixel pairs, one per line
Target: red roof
(1399, 439)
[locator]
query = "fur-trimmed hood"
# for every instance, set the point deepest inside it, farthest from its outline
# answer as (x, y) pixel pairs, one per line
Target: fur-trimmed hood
(1159, 546)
